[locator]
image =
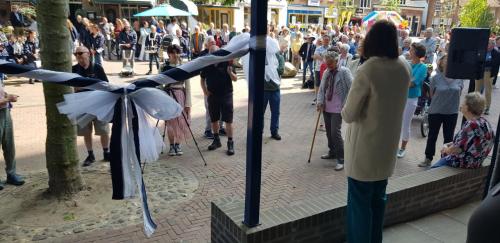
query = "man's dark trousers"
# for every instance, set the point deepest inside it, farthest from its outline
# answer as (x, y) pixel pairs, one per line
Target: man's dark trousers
(310, 65)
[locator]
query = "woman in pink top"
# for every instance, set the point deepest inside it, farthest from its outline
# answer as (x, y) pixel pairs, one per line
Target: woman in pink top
(335, 84)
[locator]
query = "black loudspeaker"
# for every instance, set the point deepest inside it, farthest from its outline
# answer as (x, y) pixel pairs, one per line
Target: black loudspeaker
(467, 53)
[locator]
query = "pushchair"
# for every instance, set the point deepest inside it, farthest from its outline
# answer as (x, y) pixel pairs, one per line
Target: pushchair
(424, 102)
(127, 69)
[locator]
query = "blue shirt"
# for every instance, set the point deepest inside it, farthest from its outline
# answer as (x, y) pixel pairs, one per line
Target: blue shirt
(353, 49)
(320, 50)
(418, 74)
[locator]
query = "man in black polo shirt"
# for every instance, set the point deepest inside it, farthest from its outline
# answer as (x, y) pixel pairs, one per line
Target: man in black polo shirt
(219, 88)
(85, 68)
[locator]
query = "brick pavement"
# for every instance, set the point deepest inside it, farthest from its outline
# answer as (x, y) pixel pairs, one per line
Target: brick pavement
(286, 176)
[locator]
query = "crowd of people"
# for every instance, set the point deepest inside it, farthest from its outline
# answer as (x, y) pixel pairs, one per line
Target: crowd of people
(370, 81)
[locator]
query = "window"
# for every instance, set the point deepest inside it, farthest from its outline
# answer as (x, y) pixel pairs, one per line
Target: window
(365, 3)
(313, 19)
(348, 3)
(402, 2)
(437, 9)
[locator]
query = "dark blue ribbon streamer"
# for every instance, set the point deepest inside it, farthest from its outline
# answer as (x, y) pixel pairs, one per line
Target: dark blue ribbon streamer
(116, 152)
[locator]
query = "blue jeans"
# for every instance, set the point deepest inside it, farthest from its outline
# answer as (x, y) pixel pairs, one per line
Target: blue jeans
(311, 69)
(441, 162)
(365, 210)
(97, 58)
(273, 98)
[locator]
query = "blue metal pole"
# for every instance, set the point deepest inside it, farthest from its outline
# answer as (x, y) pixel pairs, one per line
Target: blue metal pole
(258, 34)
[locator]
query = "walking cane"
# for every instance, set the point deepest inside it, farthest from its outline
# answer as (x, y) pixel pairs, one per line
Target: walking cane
(163, 136)
(314, 137)
(189, 127)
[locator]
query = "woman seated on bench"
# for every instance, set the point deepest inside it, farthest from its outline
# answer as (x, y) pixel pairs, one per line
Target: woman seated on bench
(474, 142)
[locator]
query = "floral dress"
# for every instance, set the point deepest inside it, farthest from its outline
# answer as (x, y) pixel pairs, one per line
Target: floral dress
(475, 140)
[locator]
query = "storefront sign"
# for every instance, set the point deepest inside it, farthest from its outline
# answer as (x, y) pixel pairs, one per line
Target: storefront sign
(359, 10)
(313, 2)
(331, 12)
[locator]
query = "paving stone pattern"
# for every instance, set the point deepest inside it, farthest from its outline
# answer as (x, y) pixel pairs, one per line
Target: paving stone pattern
(286, 175)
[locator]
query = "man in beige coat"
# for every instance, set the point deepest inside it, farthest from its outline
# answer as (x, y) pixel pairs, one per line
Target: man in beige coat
(373, 111)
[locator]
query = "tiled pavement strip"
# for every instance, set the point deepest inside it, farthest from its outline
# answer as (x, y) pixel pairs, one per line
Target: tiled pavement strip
(286, 175)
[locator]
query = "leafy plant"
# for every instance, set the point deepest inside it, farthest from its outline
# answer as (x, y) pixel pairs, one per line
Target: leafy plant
(496, 29)
(27, 11)
(391, 5)
(476, 13)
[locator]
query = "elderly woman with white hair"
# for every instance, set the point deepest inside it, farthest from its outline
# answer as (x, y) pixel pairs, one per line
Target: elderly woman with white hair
(405, 49)
(473, 143)
(403, 35)
(332, 95)
(345, 57)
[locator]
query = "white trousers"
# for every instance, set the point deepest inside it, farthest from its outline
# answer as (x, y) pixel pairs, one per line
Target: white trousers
(410, 107)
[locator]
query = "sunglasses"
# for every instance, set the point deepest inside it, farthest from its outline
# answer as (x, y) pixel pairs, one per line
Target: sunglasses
(79, 53)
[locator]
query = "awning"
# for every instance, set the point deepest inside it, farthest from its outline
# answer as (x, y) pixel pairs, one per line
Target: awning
(163, 10)
(311, 12)
(185, 5)
(140, 2)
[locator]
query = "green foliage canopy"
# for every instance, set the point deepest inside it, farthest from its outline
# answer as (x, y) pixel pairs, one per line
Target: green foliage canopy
(476, 13)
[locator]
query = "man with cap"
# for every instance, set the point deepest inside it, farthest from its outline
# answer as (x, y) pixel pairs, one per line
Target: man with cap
(306, 52)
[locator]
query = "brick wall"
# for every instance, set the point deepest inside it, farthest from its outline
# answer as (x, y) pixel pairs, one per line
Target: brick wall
(322, 219)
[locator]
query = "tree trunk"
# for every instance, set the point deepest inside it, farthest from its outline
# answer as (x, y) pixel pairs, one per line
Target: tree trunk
(55, 53)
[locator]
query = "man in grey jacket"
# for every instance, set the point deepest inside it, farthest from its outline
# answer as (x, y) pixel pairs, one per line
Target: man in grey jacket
(430, 44)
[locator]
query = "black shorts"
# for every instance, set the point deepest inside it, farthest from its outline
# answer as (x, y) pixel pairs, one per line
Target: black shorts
(317, 80)
(221, 108)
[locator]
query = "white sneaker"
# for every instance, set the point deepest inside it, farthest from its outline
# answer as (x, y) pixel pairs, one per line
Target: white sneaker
(339, 167)
(172, 151)
(401, 153)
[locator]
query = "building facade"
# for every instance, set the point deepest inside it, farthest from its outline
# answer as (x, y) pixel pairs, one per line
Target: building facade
(413, 11)
(304, 13)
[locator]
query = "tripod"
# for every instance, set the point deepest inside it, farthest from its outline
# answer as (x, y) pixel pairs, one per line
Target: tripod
(171, 93)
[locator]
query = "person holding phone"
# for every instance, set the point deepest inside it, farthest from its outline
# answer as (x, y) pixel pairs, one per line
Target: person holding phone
(7, 137)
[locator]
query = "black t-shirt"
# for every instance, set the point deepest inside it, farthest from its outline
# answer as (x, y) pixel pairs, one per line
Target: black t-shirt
(217, 79)
(93, 71)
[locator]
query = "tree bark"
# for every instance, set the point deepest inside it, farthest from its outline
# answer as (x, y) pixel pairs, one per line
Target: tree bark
(60, 145)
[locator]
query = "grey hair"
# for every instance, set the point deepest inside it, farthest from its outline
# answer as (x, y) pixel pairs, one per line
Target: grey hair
(331, 55)
(475, 103)
(210, 38)
(345, 47)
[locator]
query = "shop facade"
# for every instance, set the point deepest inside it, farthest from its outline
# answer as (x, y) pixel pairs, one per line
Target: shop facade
(276, 12)
(305, 13)
(219, 15)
